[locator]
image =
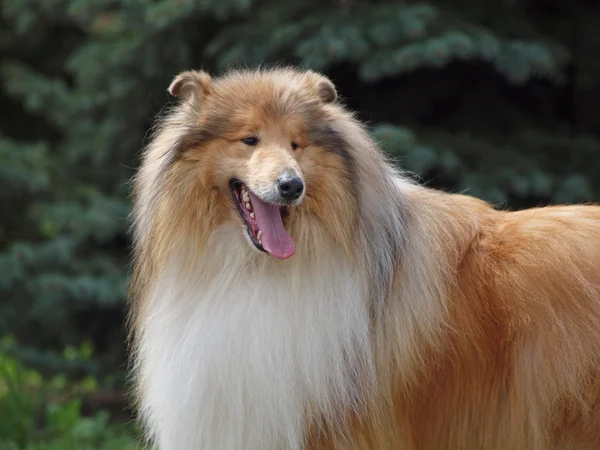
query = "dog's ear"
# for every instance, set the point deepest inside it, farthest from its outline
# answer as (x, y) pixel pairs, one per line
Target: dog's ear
(191, 84)
(324, 87)
(327, 91)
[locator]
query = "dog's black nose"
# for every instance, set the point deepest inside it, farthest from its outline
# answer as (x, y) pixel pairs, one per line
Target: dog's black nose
(290, 187)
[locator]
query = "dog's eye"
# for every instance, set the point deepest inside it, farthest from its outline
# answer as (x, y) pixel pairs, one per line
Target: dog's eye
(250, 141)
(294, 146)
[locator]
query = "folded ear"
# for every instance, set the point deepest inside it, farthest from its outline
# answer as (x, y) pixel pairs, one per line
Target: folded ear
(324, 87)
(196, 83)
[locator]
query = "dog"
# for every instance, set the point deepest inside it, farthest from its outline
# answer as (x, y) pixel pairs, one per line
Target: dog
(293, 289)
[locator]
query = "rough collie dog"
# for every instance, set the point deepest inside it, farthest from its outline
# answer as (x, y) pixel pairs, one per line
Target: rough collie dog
(292, 290)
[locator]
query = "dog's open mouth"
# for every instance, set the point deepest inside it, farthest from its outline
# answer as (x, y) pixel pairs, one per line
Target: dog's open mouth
(264, 221)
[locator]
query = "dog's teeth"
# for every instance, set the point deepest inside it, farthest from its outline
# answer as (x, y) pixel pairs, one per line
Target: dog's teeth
(259, 236)
(248, 206)
(252, 216)
(245, 196)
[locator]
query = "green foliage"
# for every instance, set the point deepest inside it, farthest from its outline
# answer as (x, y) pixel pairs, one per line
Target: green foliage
(558, 177)
(498, 99)
(46, 414)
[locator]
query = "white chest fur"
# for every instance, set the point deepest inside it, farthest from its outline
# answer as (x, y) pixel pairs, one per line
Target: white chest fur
(236, 350)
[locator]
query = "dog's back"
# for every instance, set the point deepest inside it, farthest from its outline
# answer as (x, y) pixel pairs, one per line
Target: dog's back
(517, 365)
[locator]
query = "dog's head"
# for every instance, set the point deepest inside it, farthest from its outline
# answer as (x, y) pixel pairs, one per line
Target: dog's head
(260, 148)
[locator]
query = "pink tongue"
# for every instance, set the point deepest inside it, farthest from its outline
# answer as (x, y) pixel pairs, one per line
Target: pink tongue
(275, 240)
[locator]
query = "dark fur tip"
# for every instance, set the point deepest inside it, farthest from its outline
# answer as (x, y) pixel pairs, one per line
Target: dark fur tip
(191, 82)
(327, 92)
(325, 89)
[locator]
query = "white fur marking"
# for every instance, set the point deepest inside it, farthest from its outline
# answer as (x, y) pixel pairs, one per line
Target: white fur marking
(236, 352)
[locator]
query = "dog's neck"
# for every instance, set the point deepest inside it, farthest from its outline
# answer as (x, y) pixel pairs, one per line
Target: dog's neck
(243, 346)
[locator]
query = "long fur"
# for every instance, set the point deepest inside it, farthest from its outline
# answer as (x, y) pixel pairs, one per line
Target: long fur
(407, 319)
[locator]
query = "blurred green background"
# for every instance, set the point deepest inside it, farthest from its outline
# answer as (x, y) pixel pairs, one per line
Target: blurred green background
(496, 98)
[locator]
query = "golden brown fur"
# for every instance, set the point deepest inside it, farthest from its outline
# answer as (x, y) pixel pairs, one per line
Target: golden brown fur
(484, 324)
(518, 365)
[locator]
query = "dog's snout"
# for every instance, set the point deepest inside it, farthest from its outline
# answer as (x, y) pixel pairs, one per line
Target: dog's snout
(290, 187)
